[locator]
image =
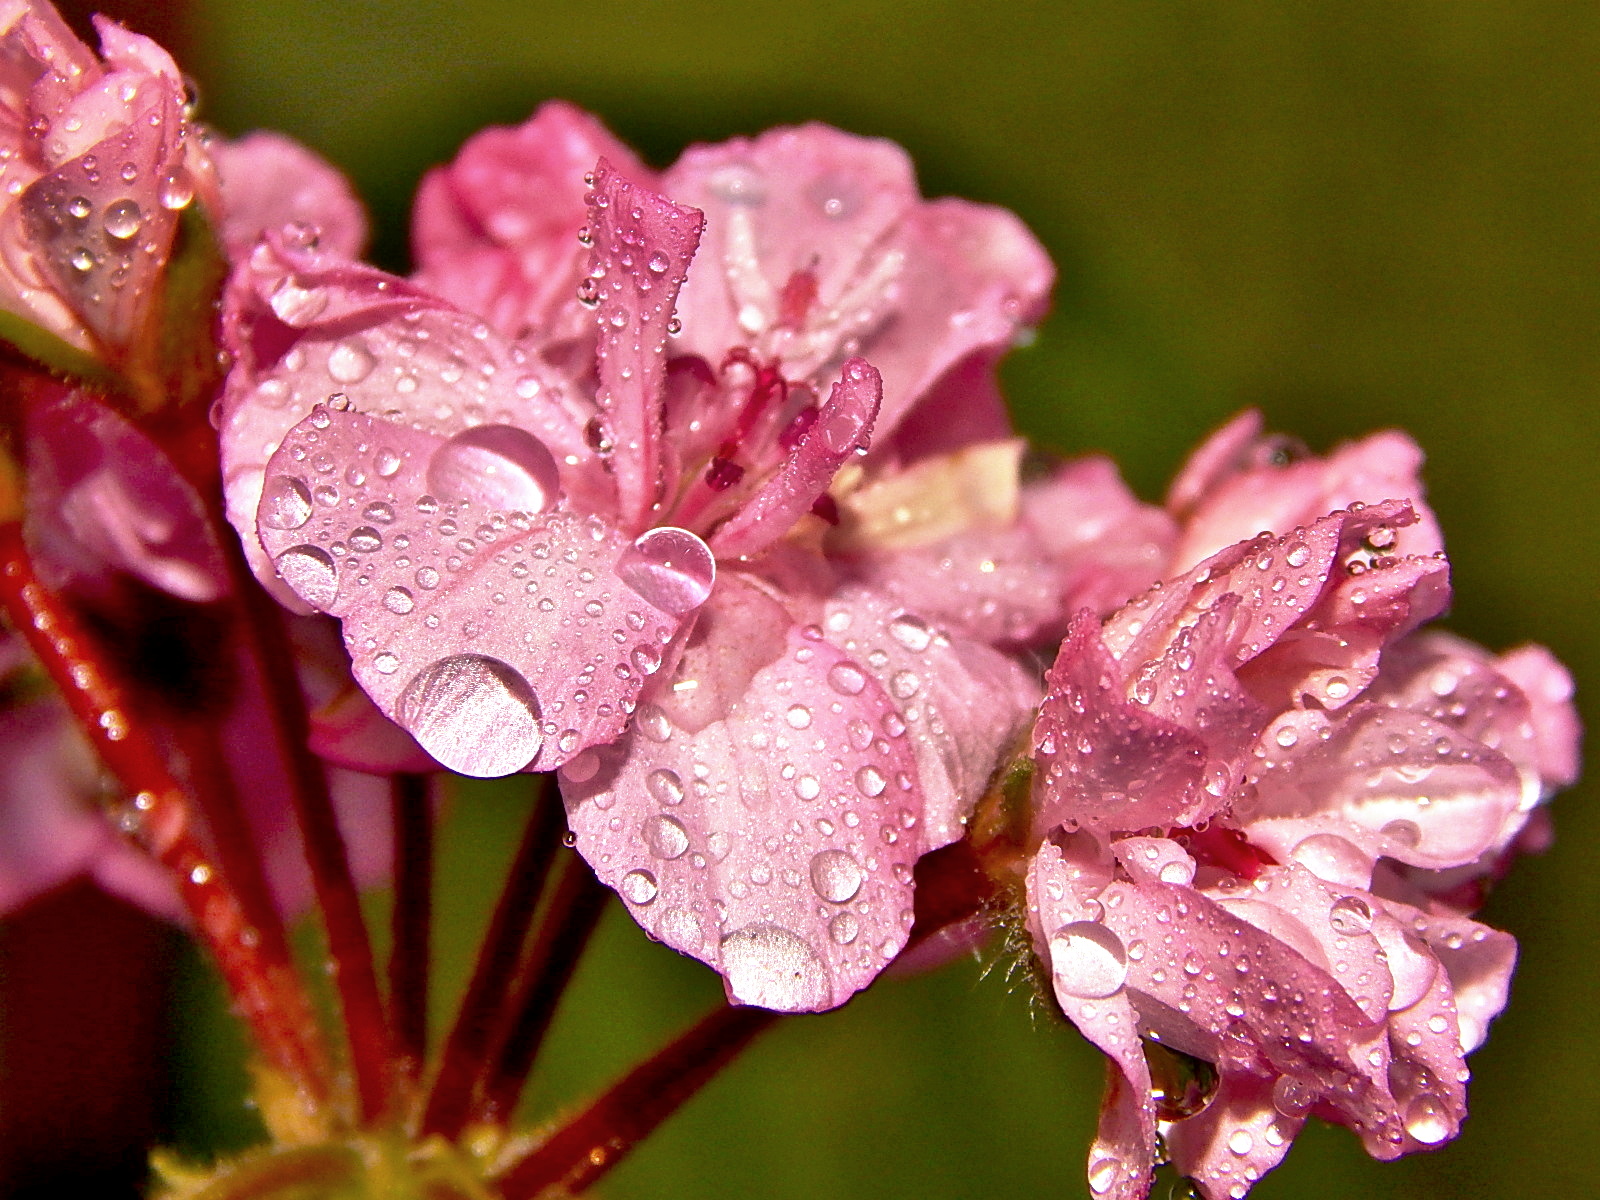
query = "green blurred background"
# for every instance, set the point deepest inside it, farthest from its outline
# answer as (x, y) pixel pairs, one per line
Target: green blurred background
(1354, 214)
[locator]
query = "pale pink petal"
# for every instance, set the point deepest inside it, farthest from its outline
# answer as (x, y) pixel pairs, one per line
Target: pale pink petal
(104, 498)
(775, 843)
(1238, 1138)
(840, 432)
(958, 703)
(269, 181)
(309, 326)
(642, 247)
(1240, 484)
(1548, 688)
(1088, 967)
(350, 731)
(497, 628)
(496, 231)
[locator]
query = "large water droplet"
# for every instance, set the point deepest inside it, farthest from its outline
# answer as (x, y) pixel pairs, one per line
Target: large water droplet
(350, 361)
(123, 220)
(1088, 960)
(285, 502)
(911, 632)
(1351, 915)
(769, 966)
(835, 875)
(664, 786)
(666, 836)
(309, 570)
(638, 887)
(670, 567)
(1428, 1120)
(498, 466)
(475, 714)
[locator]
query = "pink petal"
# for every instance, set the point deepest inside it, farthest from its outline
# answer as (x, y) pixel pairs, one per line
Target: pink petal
(496, 628)
(269, 181)
(1238, 1138)
(104, 498)
(496, 231)
(305, 327)
(839, 433)
(642, 247)
(776, 842)
(1548, 688)
(1240, 484)
(1088, 965)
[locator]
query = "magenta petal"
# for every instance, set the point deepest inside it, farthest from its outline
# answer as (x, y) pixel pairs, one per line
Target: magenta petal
(840, 432)
(103, 497)
(642, 247)
(1088, 966)
(498, 636)
(269, 181)
(496, 231)
(775, 843)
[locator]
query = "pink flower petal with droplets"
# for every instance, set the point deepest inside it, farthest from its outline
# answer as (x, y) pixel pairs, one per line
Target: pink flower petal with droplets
(775, 843)
(308, 326)
(1240, 484)
(269, 181)
(1239, 1137)
(960, 703)
(642, 247)
(817, 241)
(1088, 966)
(496, 231)
(1547, 685)
(840, 432)
(499, 635)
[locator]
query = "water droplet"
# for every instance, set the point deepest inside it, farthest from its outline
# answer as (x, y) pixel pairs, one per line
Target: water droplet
(399, 601)
(427, 578)
(1103, 1174)
(771, 967)
(1299, 554)
(835, 875)
(475, 714)
(870, 781)
(386, 462)
(177, 190)
(911, 632)
(658, 263)
(638, 887)
(1240, 1141)
(1088, 960)
(798, 716)
(1351, 915)
(123, 220)
(1428, 1120)
(385, 663)
(364, 539)
(664, 786)
(844, 928)
(847, 679)
(296, 305)
(350, 361)
(498, 466)
(669, 567)
(79, 207)
(1406, 833)
(1179, 871)
(666, 836)
(285, 502)
(81, 259)
(904, 685)
(309, 570)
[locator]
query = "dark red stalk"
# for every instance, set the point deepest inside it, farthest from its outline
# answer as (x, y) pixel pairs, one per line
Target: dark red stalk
(260, 977)
(575, 1158)
(349, 948)
(411, 920)
(564, 929)
(471, 1038)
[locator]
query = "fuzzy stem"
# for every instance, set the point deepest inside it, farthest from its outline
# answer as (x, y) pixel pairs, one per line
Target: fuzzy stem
(471, 1037)
(350, 949)
(259, 975)
(572, 1160)
(565, 927)
(411, 921)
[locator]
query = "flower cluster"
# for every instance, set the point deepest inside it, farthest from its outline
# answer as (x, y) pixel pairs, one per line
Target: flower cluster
(695, 488)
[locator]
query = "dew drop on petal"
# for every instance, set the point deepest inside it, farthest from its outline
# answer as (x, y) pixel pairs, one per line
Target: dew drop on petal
(847, 679)
(769, 966)
(309, 570)
(1240, 1141)
(844, 928)
(638, 887)
(664, 786)
(911, 632)
(1351, 915)
(670, 567)
(835, 876)
(285, 502)
(1428, 1121)
(365, 539)
(666, 836)
(123, 220)
(350, 361)
(1088, 960)
(399, 601)
(475, 714)
(498, 466)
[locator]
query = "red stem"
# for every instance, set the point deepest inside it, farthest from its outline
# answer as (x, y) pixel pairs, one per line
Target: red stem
(564, 929)
(411, 920)
(260, 976)
(596, 1140)
(471, 1038)
(349, 948)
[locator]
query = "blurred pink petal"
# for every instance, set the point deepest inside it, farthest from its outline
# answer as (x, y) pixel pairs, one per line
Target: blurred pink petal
(269, 181)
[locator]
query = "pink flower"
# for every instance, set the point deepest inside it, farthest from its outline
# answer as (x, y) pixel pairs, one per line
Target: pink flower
(99, 164)
(1249, 781)
(619, 575)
